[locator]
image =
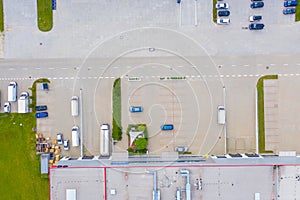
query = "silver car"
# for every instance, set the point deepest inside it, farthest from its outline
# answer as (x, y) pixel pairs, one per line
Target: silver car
(181, 149)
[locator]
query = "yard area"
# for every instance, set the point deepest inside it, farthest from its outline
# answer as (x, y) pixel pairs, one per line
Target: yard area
(20, 166)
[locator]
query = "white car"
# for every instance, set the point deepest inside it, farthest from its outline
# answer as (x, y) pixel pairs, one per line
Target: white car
(7, 107)
(66, 145)
(59, 138)
(222, 6)
(223, 21)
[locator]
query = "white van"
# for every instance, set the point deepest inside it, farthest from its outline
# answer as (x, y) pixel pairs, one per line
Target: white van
(75, 136)
(12, 91)
(74, 106)
(221, 115)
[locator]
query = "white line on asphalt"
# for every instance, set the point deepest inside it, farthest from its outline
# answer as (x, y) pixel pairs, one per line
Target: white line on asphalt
(297, 74)
(259, 64)
(179, 66)
(233, 65)
(233, 76)
(90, 77)
(239, 75)
(221, 76)
(298, 63)
(60, 78)
(54, 78)
(272, 64)
(83, 77)
(67, 78)
(257, 74)
(227, 76)
(216, 76)
(279, 74)
(128, 67)
(246, 65)
(285, 64)
(291, 74)
(285, 74)
(245, 75)
(209, 76)
(199, 76)
(106, 76)
(37, 68)
(24, 68)
(112, 77)
(250, 75)
(115, 67)
(95, 77)
(71, 77)
(64, 68)
(51, 68)
(11, 69)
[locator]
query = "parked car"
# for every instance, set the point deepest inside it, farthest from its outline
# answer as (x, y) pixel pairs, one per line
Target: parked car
(254, 18)
(258, 4)
(256, 26)
(222, 6)
(289, 11)
(41, 108)
(7, 107)
(223, 21)
(59, 138)
(181, 149)
(167, 127)
(41, 114)
(290, 3)
(223, 13)
(66, 145)
(136, 109)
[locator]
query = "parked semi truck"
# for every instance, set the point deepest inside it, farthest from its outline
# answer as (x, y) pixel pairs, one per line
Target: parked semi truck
(23, 103)
(104, 140)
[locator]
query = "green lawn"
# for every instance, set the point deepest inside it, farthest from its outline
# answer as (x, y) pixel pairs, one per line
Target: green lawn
(19, 165)
(117, 125)
(45, 17)
(297, 15)
(214, 11)
(260, 107)
(1, 16)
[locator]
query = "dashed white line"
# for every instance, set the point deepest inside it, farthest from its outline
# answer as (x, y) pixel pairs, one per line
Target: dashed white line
(285, 64)
(233, 65)
(37, 68)
(51, 68)
(11, 69)
(272, 64)
(63, 68)
(246, 65)
(298, 63)
(24, 68)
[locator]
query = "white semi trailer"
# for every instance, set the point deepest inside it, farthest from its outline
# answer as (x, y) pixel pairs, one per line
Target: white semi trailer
(104, 140)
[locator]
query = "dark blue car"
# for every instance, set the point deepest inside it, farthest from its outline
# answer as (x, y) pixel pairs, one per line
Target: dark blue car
(41, 108)
(256, 26)
(290, 3)
(224, 13)
(289, 11)
(41, 115)
(258, 4)
(167, 127)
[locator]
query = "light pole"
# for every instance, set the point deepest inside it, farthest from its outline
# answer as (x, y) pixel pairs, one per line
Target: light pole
(225, 125)
(81, 134)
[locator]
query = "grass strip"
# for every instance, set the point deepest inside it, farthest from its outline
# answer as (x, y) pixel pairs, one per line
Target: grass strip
(44, 14)
(1, 16)
(214, 11)
(116, 115)
(33, 91)
(297, 15)
(260, 108)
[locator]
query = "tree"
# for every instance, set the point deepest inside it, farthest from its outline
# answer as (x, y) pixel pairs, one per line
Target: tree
(140, 143)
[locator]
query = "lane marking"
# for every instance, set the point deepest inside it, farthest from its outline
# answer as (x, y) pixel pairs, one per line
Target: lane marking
(285, 64)
(233, 65)
(246, 65)
(11, 69)
(37, 68)
(51, 68)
